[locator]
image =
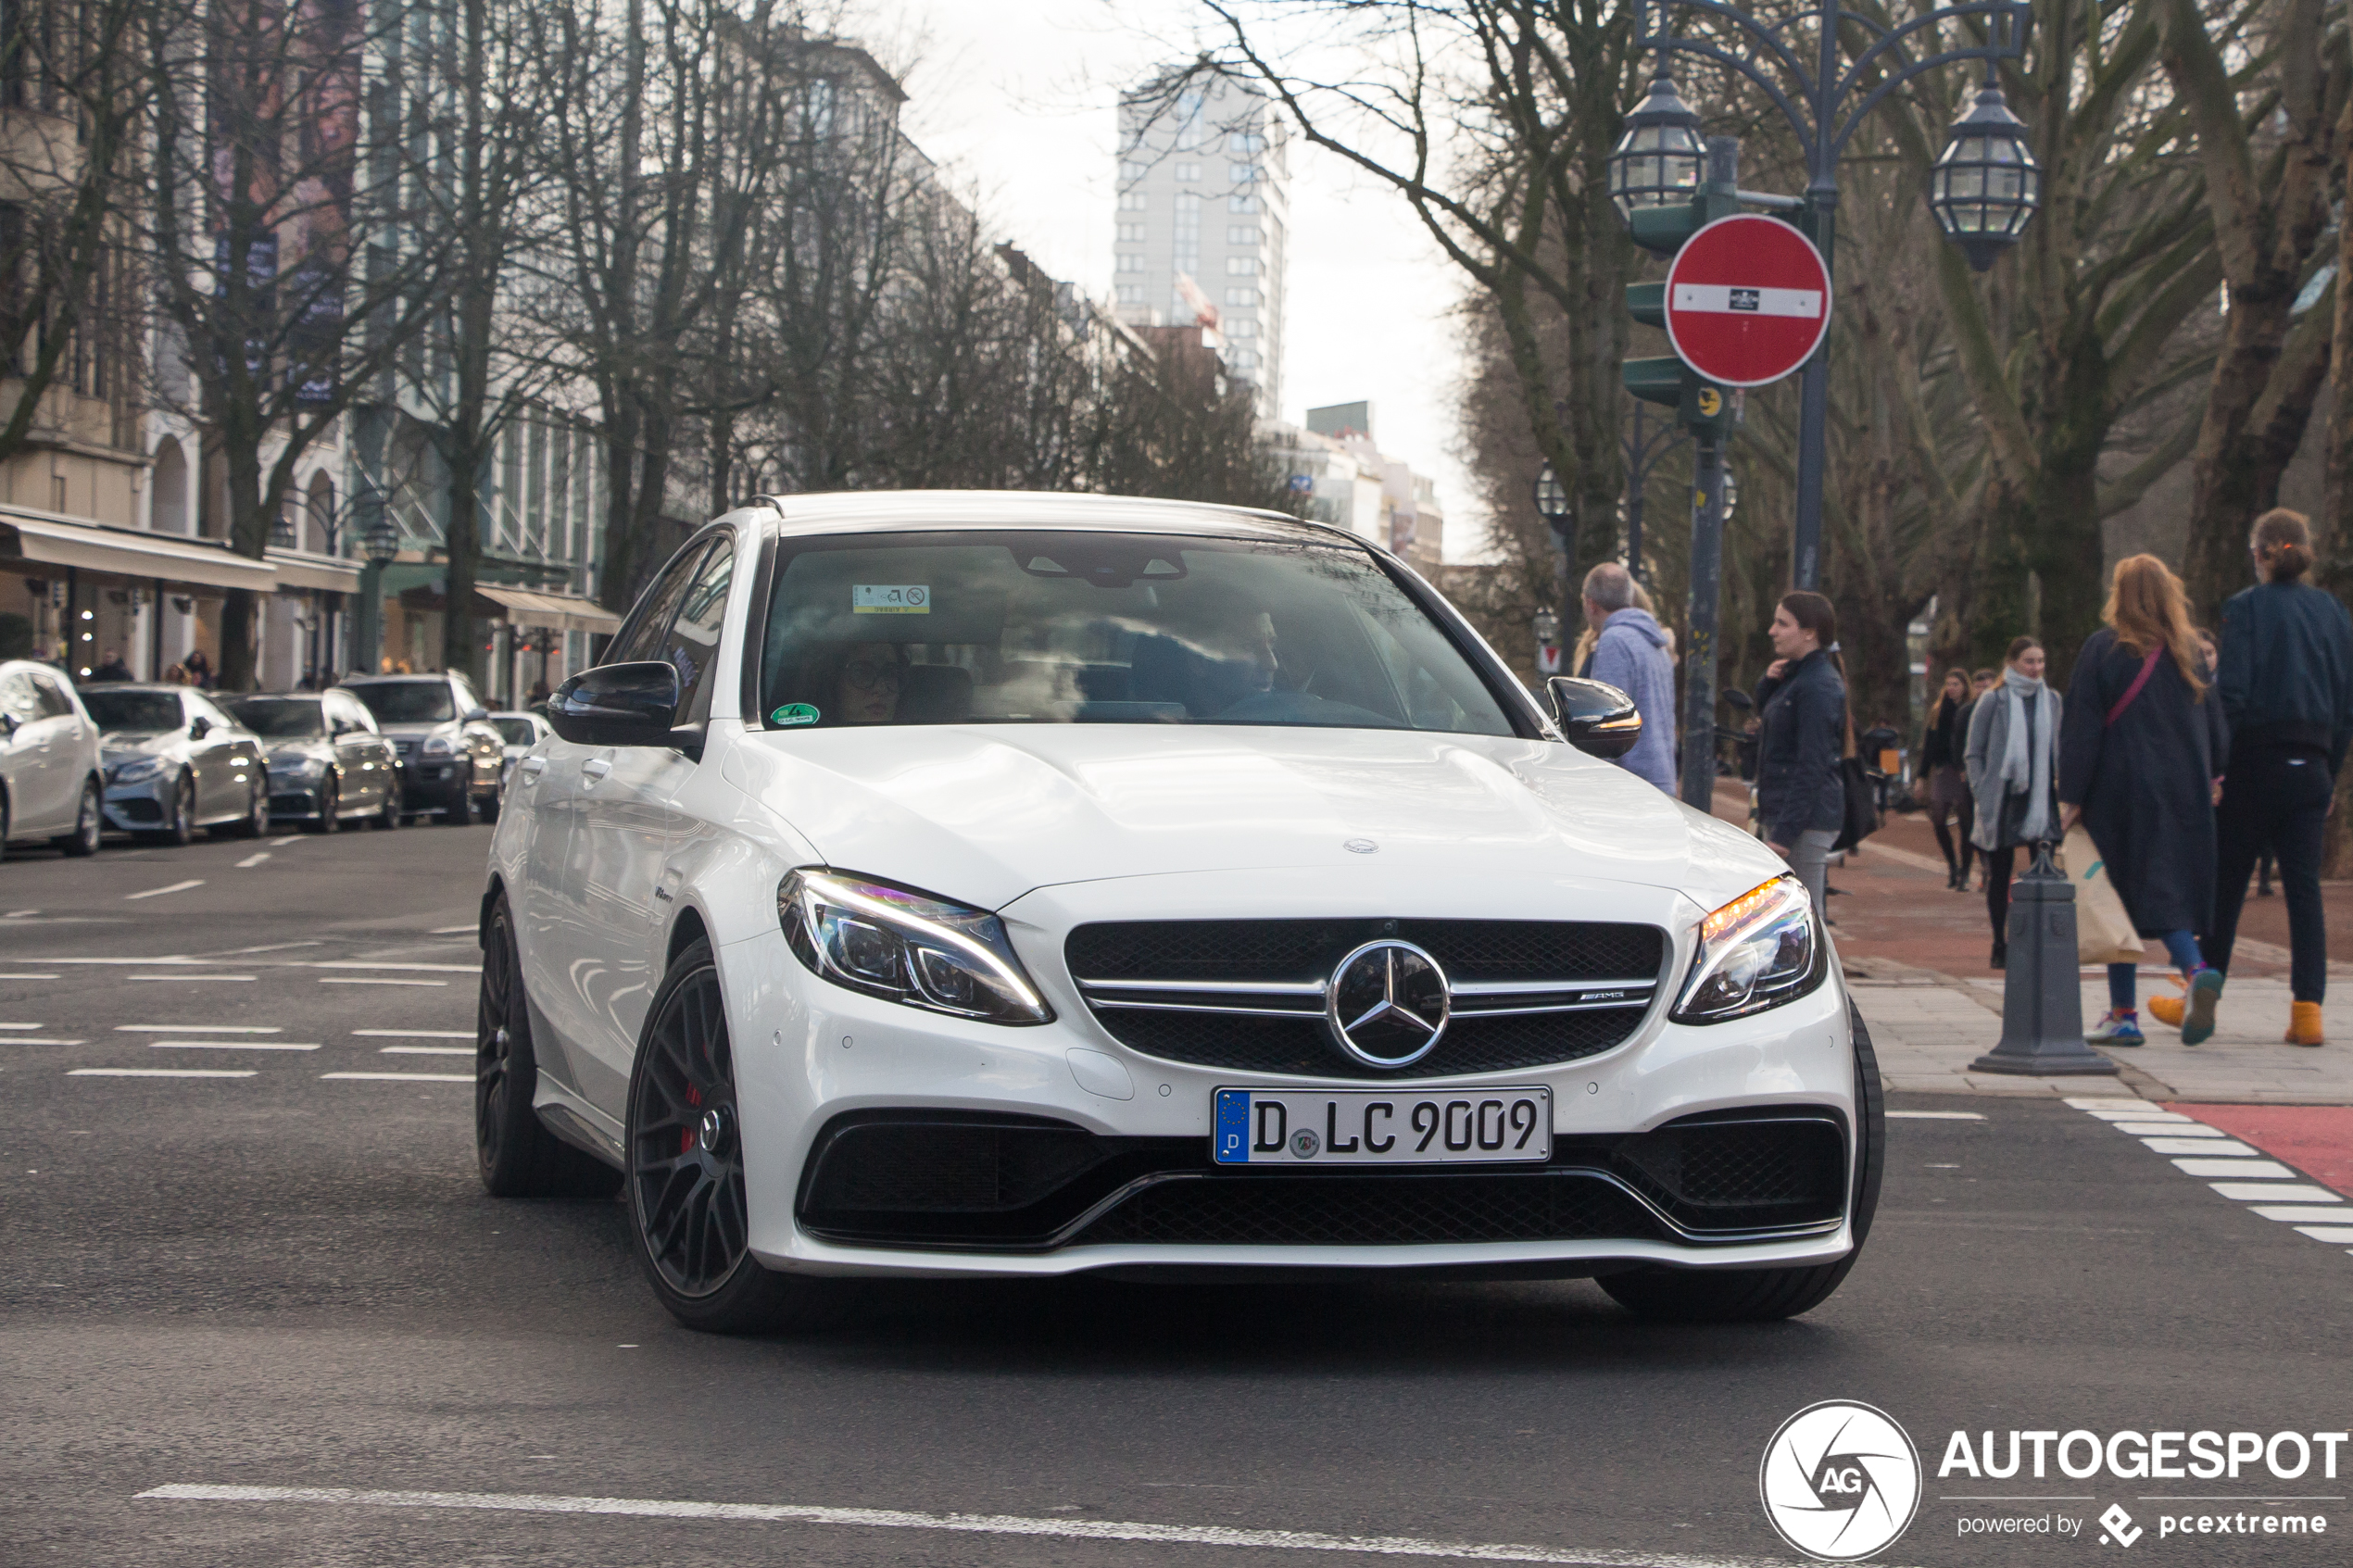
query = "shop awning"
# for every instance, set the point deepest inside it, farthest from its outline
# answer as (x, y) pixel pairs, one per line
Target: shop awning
(305, 569)
(557, 612)
(39, 538)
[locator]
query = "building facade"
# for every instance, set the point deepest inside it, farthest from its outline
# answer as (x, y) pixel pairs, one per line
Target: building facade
(1203, 223)
(1350, 483)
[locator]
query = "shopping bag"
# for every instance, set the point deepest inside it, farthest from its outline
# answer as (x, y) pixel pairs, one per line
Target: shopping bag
(2104, 932)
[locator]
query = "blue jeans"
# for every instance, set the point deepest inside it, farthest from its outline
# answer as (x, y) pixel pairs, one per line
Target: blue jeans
(2180, 945)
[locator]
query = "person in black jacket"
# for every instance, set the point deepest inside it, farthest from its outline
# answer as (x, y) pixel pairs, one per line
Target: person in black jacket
(1801, 794)
(1943, 743)
(2286, 683)
(2140, 757)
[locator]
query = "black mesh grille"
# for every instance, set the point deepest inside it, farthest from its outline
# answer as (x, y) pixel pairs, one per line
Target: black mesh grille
(1568, 951)
(1306, 949)
(1374, 1211)
(1743, 1172)
(1304, 1045)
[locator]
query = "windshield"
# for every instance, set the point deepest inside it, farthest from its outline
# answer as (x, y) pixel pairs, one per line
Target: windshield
(133, 711)
(407, 702)
(1055, 628)
(280, 718)
(516, 732)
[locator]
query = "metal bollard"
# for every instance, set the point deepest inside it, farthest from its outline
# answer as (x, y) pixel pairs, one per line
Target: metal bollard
(2042, 991)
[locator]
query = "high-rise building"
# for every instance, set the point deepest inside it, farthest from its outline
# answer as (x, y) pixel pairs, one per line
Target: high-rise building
(1203, 222)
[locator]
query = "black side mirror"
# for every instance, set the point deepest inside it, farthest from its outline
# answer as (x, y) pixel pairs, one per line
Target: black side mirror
(200, 727)
(1595, 716)
(622, 705)
(1737, 698)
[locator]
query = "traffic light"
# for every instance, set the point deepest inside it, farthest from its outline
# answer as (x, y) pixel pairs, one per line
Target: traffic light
(1700, 404)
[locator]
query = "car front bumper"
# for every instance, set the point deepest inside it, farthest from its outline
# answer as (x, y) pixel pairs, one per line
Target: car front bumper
(813, 1059)
(143, 807)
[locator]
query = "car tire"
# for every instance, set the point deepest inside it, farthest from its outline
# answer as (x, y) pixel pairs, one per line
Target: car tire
(459, 811)
(688, 1221)
(488, 809)
(1762, 1295)
(180, 828)
(330, 802)
(255, 823)
(518, 1156)
(389, 816)
(84, 839)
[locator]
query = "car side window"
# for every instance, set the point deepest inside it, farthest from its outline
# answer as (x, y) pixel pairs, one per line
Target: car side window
(649, 629)
(18, 700)
(693, 644)
(52, 697)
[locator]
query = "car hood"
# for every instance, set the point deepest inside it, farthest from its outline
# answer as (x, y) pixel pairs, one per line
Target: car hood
(311, 747)
(985, 814)
(122, 745)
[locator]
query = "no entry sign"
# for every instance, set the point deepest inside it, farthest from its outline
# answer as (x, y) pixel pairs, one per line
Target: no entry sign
(1747, 299)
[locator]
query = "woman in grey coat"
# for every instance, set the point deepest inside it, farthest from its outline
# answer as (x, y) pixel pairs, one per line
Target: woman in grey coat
(2013, 774)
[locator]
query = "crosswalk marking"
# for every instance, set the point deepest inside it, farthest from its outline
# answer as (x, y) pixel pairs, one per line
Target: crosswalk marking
(159, 1073)
(405, 1077)
(2268, 1187)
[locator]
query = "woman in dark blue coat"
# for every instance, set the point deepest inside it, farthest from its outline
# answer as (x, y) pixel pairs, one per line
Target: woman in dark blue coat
(2141, 748)
(1801, 794)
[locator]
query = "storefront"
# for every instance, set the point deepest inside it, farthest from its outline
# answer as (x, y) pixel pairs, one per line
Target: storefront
(525, 637)
(86, 596)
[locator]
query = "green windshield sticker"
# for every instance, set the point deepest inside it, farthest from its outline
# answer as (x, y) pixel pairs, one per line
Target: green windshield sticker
(793, 713)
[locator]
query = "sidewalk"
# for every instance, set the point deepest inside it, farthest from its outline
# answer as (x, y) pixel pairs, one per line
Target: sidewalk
(1915, 956)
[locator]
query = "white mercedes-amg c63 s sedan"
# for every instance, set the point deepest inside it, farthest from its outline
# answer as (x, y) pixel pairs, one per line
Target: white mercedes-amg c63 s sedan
(939, 883)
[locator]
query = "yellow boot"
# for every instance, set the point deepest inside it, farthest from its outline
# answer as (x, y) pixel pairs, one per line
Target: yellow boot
(2169, 1009)
(2303, 1024)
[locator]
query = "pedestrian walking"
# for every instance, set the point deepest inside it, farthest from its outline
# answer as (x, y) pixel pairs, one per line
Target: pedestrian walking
(199, 669)
(1943, 757)
(1631, 653)
(1806, 732)
(2012, 757)
(2141, 763)
(2285, 681)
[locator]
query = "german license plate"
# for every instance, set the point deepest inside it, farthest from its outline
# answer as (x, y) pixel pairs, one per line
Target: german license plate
(1382, 1127)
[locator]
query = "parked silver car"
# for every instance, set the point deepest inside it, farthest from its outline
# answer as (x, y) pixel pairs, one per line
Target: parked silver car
(328, 763)
(450, 753)
(49, 768)
(175, 762)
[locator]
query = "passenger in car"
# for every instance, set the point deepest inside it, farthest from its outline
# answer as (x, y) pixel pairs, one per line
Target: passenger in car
(867, 691)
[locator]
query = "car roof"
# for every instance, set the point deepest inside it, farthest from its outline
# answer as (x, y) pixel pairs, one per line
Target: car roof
(1025, 510)
(428, 677)
(279, 696)
(88, 686)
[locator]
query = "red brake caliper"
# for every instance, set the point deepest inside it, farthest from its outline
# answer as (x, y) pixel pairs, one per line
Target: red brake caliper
(686, 1135)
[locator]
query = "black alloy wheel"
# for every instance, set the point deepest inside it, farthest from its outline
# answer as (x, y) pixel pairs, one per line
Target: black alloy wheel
(84, 839)
(1763, 1295)
(330, 802)
(179, 823)
(518, 1156)
(687, 1207)
(389, 816)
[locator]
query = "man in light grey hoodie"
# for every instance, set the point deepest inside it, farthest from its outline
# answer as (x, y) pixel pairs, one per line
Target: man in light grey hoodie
(1630, 654)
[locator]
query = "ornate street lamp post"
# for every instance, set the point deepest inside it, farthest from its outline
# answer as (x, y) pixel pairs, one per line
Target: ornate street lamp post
(378, 543)
(1984, 190)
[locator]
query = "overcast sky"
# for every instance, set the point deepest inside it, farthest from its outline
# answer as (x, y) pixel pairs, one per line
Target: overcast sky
(1018, 97)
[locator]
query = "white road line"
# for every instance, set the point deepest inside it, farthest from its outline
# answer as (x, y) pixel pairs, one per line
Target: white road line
(960, 1524)
(2107, 1102)
(282, 843)
(2226, 1146)
(2238, 1170)
(428, 968)
(404, 1077)
(164, 963)
(2185, 1128)
(2295, 1213)
(20, 1025)
(266, 947)
(158, 1072)
(414, 1034)
(424, 1051)
(2275, 1192)
(455, 931)
(355, 979)
(1936, 1116)
(2334, 1234)
(252, 860)
(28, 1040)
(228, 1045)
(198, 1029)
(20, 914)
(192, 979)
(27, 977)
(160, 892)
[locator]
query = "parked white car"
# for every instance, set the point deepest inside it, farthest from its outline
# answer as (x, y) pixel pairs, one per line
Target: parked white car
(1019, 884)
(522, 729)
(49, 770)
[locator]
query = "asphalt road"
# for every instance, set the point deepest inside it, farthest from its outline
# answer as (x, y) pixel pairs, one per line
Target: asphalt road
(292, 1280)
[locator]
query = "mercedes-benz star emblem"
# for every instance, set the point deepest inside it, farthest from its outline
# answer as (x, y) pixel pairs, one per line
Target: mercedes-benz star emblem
(1388, 1003)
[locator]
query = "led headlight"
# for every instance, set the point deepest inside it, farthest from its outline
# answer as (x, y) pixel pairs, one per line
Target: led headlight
(132, 772)
(439, 746)
(907, 947)
(1758, 951)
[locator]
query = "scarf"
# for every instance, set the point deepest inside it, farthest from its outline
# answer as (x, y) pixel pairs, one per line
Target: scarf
(2026, 761)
